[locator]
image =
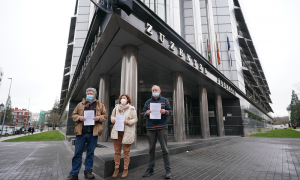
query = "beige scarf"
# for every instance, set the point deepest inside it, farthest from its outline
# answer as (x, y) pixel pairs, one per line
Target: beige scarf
(122, 108)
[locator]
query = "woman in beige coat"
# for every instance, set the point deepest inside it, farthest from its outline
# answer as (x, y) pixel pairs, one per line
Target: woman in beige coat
(126, 137)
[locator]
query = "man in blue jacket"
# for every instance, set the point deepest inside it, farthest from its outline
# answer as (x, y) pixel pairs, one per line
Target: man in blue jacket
(157, 129)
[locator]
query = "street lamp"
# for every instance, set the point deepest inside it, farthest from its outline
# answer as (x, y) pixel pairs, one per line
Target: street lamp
(6, 107)
(28, 114)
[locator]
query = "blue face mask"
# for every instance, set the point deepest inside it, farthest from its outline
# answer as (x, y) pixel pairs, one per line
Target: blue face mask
(89, 97)
(155, 95)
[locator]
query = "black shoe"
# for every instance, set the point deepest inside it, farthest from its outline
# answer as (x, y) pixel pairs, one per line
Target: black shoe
(148, 172)
(168, 174)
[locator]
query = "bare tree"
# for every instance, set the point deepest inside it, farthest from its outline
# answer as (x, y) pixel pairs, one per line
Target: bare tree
(34, 123)
(282, 120)
(53, 118)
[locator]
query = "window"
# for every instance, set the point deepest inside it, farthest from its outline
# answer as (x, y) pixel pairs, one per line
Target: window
(159, 7)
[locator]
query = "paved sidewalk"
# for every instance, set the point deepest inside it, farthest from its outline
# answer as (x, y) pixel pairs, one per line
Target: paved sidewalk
(51, 160)
(245, 158)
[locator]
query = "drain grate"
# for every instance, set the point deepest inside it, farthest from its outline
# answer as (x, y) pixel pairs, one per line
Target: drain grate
(101, 146)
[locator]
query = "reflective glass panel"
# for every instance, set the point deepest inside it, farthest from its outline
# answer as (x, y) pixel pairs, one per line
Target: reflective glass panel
(160, 7)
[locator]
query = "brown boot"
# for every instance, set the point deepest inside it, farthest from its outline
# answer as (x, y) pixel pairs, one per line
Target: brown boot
(89, 175)
(72, 178)
(116, 173)
(125, 173)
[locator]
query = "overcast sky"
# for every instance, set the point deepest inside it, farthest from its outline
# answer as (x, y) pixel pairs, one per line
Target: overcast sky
(34, 33)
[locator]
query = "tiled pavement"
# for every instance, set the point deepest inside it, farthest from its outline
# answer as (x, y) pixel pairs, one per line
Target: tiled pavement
(36, 160)
(244, 158)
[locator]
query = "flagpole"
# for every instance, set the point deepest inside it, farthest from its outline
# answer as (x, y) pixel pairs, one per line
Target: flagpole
(207, 45)
(216, 54)
(217, 58)
(230, 63)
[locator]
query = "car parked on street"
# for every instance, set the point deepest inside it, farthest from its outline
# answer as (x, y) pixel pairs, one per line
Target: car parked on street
(279, 127)
(7, 132)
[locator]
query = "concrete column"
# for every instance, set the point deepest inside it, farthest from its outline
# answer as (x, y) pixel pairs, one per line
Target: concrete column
(211, 31)
(197, 26)
(104, 88)
(203, 104)
(219, 115)
(129, 76)
(178, 107)
(175, 16)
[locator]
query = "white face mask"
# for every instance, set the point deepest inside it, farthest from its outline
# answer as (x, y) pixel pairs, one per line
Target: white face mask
(123, 101)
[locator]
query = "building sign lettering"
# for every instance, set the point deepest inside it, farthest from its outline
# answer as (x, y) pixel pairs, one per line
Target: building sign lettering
(171, 47)
(180, 52)
(188, 58)
(226, 86)
(161, 39)
(148, 29)
(195, 62)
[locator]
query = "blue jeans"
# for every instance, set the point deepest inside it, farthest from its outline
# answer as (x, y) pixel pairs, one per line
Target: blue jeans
(80, 141)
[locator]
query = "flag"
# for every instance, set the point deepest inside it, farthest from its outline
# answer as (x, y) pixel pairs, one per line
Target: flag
(218, 54)
(208, 52)
(230, 59)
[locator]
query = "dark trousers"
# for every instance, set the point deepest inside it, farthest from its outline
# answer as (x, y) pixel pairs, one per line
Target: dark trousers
(162, 136)
(91, 143)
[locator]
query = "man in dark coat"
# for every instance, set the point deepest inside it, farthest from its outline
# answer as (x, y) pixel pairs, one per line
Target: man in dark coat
(29, 130)
(157, 129)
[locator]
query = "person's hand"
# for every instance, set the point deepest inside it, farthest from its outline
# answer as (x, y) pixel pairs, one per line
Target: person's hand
(126, 122)
(96, 118)
(113, 120)
(162, 111)
(148, 112)
(82, 118)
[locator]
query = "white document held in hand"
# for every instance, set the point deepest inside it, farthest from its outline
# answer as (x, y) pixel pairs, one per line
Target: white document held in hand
(119, 125)
(89, 115)
(155, 111)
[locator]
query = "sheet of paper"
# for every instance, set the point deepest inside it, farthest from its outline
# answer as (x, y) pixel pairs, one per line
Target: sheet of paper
(119, 125)
(89, 115)
(155, 111)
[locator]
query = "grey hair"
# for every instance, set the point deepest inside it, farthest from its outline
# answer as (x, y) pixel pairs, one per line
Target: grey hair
(91, 89)
(156, 86)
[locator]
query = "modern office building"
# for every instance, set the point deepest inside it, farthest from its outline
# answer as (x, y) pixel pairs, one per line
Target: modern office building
(200, 52)
(42, 118)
